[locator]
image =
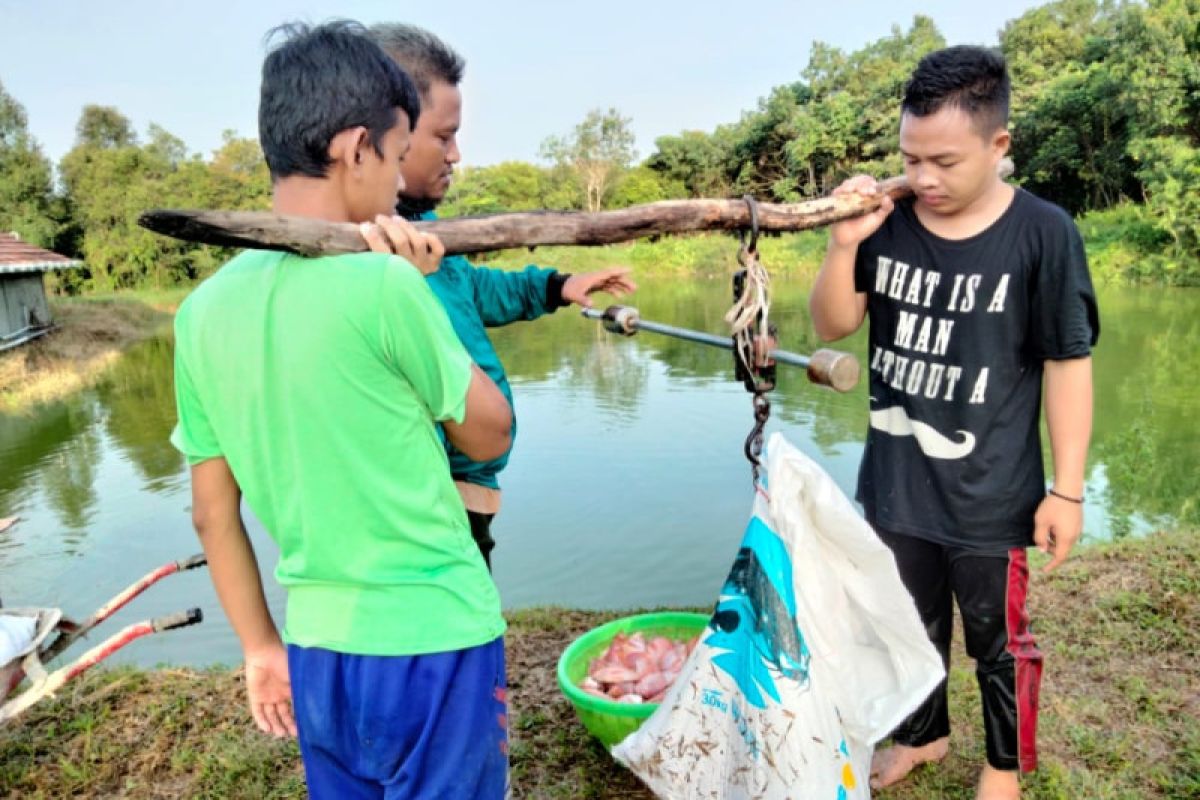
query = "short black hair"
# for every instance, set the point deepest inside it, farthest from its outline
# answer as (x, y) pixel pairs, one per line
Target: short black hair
(425, 57)
(974, 79)
(320, 81)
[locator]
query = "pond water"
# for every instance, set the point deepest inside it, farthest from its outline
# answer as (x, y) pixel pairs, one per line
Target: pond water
(628, 487)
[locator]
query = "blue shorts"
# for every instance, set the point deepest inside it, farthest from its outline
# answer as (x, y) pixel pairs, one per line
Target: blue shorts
(428, 726)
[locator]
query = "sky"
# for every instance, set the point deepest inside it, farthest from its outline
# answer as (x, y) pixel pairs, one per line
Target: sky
(534, 67)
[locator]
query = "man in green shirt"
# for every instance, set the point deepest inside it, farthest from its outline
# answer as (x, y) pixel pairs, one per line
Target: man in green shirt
(313, 386)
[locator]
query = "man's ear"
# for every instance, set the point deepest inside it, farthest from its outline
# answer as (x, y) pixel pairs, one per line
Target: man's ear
(349, 147)
(1001, 141)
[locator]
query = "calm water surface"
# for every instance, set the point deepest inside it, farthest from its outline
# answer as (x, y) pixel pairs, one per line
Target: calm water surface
(628, 487)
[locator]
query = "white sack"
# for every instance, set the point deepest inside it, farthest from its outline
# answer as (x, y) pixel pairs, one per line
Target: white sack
(813, 654)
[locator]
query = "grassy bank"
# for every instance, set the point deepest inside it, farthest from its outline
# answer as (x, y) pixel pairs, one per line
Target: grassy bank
(91, 333)
(1122, 249)
(1120, 626)
(700, 256)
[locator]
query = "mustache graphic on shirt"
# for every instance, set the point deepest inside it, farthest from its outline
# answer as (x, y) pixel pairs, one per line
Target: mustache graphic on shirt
(895, 420)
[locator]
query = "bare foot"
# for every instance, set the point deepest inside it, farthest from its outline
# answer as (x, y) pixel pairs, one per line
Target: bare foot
(998, 784)
(893, 763)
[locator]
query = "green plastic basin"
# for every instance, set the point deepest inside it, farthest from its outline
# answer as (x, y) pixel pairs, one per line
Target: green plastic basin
(608, 720)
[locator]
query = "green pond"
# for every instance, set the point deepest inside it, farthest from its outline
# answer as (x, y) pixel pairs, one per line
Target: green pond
(628, 487)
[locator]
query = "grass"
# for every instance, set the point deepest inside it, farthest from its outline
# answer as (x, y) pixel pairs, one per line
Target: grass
(1120, 626)
(699, 256)
(91, 333)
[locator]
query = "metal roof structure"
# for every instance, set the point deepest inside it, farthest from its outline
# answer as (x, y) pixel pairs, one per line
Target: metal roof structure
(24, 312)
(17, 256)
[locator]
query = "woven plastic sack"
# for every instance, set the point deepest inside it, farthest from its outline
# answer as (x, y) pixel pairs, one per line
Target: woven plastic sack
(813, 654)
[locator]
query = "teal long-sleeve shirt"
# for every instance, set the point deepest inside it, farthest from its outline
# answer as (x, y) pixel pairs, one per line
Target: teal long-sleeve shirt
(478, 298)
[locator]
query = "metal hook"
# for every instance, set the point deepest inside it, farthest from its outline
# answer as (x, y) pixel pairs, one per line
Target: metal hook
(752, 204)
(754, 442)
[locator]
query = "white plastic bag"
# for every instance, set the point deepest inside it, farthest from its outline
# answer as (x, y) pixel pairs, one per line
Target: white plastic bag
(22, 630)
(814, 653)
(16, 636)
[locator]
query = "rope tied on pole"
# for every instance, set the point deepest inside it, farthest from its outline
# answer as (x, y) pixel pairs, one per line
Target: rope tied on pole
(753, 335)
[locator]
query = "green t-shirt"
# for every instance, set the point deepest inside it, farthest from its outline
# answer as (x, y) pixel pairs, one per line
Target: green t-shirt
(319, 381)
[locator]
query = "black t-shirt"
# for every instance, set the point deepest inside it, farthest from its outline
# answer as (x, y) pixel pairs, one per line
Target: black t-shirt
(959, 330)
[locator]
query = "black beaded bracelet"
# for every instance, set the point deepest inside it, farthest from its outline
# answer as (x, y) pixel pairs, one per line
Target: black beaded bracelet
(1061, 496)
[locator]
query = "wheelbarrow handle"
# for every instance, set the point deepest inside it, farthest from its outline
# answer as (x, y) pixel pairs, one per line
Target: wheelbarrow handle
(180, 619)
(68, 637)
(198, 560)
(55, 680)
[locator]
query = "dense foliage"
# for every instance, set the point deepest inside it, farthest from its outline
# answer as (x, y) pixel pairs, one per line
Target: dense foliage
(1105, 122)
(107, 179)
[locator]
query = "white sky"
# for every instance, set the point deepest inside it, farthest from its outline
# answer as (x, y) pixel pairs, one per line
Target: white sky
(534, 67)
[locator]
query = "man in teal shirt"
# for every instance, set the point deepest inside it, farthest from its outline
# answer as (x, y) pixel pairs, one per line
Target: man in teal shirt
(313, 387)
(475, 298)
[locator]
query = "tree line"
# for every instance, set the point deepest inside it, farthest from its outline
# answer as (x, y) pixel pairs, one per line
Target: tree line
(109, 177)
(1105, 122)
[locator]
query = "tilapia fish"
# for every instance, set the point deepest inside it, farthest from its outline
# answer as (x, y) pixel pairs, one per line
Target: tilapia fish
(635, 669)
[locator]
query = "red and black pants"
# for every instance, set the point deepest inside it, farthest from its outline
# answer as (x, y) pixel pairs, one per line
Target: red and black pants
(990, 589)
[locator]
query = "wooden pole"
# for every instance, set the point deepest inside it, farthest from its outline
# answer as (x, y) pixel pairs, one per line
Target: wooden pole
(313, 237)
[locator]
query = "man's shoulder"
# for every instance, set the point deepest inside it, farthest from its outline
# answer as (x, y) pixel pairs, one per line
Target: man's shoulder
(901, 222)
(246, 274)
(233, 271)
(361, 275)
(387, 273)
(224, 280)
(1032, 210)
(453, 279)
(455, 265)
(451, 266)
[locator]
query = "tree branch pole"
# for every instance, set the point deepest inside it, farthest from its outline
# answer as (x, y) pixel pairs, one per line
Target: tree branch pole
(312, 237)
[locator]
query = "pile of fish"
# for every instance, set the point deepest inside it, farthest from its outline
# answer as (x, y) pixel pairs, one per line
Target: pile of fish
(635, 669)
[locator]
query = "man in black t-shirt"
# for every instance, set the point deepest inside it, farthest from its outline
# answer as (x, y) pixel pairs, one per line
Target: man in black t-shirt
(978, 295)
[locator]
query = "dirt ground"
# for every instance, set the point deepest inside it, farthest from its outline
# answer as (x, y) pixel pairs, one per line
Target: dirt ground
(1119, 624)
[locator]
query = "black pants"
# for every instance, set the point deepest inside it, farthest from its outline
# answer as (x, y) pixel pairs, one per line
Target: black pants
(990, 590)
(481, 532)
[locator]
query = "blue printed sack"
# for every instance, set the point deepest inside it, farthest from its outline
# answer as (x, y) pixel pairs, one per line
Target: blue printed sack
(813, 654)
